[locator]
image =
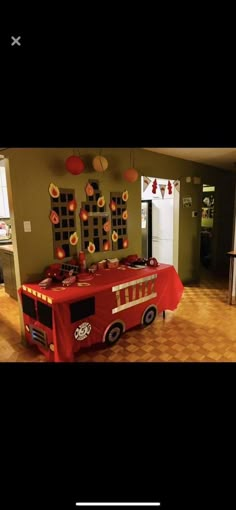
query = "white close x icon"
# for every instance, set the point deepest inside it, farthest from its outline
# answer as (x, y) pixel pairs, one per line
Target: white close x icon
(16, 40)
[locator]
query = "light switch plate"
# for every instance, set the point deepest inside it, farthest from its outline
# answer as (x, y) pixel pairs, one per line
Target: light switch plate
(27, 226)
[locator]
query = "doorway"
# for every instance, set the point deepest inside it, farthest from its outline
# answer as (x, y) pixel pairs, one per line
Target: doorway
(160, 219)
(207, 226)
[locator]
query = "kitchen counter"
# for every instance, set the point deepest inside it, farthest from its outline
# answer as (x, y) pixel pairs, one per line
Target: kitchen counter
(6, 247)
(7, 269)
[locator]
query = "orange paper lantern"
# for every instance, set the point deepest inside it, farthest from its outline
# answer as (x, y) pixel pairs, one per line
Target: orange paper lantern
(100, 164)
(131, 175)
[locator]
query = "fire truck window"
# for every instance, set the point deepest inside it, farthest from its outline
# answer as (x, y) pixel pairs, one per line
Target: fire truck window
(82, 309)
(65, 235)
(63, 197)
(64, 211)
(64, 223)
(57, 236)
(45, 314)
(28, 306)
(70, 197)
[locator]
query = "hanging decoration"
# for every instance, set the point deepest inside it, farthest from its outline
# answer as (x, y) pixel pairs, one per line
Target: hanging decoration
(114, 236)
(83, 214)
(91, 247)
(146, 182)
(162, 189)
(154, 186)
(54, 191)
(100, 164)
(101, 201)
(54, 218)
(169, 188)
(131, 174)
(75, 165)
(89, 190)
(60, 253)
(125, 243)
(72, 205)
(125, 196)
(106, 246)
(112, 206)
(177, 184)
(125, 215)
(107, 226)
(74, 239)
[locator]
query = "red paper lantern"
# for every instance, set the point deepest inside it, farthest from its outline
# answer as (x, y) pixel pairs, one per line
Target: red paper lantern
(131, 175)
(75, 165)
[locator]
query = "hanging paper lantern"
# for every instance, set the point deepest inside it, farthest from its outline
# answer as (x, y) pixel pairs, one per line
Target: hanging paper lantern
(75, 165)
(100, 164)
(131, 175)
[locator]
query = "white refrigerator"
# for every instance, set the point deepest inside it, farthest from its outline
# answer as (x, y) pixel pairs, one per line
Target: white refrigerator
(162, 229)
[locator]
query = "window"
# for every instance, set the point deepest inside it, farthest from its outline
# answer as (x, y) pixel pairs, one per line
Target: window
(4, 206)
(67, 224)
(81, 309)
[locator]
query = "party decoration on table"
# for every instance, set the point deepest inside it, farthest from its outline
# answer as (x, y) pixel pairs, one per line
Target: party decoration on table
(100, 164)
(89, 190)
(46, 283)
(53, 190)
(54, 218)
(146, 182)
(55, 272)
(73, 239)
(119, 217)
(75, 165)
(154, 186)
(72, 205)
(162, 189)
(169, 188)
(94, 219)
(125, 195)
(62, 217)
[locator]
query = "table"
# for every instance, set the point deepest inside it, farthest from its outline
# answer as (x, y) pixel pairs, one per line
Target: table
(232, 255)
(61, 321)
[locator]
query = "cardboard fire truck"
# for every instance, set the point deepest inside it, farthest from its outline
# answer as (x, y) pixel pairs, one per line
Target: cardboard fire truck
(61, 320)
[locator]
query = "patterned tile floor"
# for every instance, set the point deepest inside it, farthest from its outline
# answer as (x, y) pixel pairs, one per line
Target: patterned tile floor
(203, 328)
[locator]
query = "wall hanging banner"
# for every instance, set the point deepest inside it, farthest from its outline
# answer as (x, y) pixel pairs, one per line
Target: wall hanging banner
(154, 186)
(177, 185)
(146, 182)
(162, 190)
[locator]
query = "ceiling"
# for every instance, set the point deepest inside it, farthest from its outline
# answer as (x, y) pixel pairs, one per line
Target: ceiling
(222, 158)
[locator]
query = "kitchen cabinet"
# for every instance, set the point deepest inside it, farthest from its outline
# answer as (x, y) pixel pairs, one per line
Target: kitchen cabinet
(8, 270)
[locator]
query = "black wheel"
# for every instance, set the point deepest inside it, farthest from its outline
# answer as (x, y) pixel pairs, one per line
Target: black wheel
(113, 334)
(149, 316)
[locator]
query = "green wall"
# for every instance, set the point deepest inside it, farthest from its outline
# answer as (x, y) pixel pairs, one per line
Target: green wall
(31, 171)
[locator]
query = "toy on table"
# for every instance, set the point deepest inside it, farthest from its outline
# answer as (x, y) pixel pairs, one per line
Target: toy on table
(44, 284)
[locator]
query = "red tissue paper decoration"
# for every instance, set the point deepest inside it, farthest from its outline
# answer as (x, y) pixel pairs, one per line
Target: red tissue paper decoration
(169, 188)
(75, 165)
(154, 186)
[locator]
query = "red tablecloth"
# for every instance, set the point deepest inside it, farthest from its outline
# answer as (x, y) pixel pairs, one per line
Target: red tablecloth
(110, 292)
